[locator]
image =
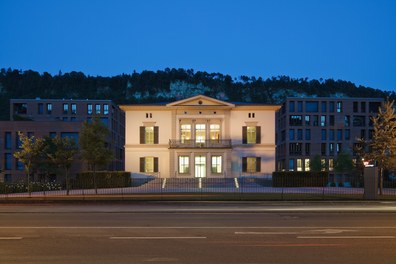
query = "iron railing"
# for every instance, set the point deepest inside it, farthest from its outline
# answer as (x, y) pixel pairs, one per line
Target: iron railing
(217, 143)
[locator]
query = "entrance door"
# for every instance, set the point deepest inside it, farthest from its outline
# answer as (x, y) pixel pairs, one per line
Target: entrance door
(200, 166)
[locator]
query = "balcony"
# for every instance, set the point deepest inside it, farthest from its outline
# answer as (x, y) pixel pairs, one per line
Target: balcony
(216, 144)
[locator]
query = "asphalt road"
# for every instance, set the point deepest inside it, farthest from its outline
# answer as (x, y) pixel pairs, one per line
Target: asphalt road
(197, 233)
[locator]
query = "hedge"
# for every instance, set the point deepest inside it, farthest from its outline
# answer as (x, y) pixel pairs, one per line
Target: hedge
(104, 179)
(299, 179)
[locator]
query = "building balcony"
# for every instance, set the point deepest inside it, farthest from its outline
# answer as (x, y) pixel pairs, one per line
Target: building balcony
(191, 143)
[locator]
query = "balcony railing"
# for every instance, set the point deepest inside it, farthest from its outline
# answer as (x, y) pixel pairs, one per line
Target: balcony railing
(217, 143)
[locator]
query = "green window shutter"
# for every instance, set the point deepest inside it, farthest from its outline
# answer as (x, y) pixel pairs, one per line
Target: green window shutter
(142, 164)
(258, 164)
(244, 164)
(156, 134)
(258, 135)
(155, 164)
(244, 135)
(142, 135)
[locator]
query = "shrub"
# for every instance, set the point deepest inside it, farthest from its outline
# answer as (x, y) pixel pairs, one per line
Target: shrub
(299, 179)
(104, 179)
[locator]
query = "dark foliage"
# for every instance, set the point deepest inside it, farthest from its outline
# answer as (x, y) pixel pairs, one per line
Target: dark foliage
(155, 86)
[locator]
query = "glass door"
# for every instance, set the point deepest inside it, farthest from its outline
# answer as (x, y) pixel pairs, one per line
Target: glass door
(200, 166)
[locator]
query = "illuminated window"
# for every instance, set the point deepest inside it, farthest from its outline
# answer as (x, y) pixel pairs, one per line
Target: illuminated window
(331, 164)
(307, 165)
(89, 109)
(200, 133)
(299, 164)
(73, 109)
(149, 164)
(65, 109)
(149, 135)
(215, 132)
(251, 164)
(185, 132)
(216, 164)
(97, 109)
(105, 109)
(251, 134)
(184, 164)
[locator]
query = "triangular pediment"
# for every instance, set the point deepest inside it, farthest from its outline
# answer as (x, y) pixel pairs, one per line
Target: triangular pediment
(201, 100)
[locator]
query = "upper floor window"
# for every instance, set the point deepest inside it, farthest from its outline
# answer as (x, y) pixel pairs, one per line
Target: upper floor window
(359, 121)
(331, 120)
(97, 109)
(7, 140)
(312, 106)
(323, 120)
(299, 106)
(215, 132)
(149, 134)
(291, 106)
(40, 108)
(324, 107)
(251, 135)
(363, 107)
(20, 108)
(251, 115)
(295, 120)
(106, 109)
(331, 107)
(49, 108)
(355, 107)
(65, 109)
(339, 107)
(185, 132)
(307, 120)
(89, 109)
(200, 133)
(374, 107)
(73, 109)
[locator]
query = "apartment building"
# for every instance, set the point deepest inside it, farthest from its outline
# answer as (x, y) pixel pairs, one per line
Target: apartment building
(200, 137)
(57, 117)
(306, 127)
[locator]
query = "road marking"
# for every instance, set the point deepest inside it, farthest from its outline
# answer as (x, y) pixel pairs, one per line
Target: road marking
(193, 227)
(11, 238)
(158, 237)
(265, 233)
(333, 231)
(346, 237)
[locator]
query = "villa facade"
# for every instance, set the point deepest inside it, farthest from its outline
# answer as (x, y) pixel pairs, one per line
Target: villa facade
(200, 137)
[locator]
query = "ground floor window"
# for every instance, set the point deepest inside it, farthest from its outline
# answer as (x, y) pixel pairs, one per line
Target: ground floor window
(251, 164)
(216, 164)
(184, 164)
(148, 164)
(200, 166)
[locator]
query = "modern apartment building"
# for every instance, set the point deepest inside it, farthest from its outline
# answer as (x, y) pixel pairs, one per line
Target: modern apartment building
(200, 137)
(306, 127)
(52, 117)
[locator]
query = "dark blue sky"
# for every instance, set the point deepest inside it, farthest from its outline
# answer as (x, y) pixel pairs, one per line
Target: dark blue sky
(340, 39)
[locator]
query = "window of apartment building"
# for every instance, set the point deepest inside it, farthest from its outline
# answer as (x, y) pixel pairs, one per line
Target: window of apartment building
(371, 122)
(347, 134)
(374, 107)
(307, 120)
(331, 134)
(359, 121)
(315, 120)
(200, 133)
(338, 147)
(71, 135)
(331, 107)
(65, 109)
(307, 166)
(64, 118)
(331, 164)
(363, 134)
(295, 120)
(40, 108)
(73, 109)
(184, 164)
(323, 107)
(363, 107)
(214, 131)
(291, 164)
(355, 107)
(295, 149)
(307, 134)
(299, 106)
(323, 149)
(339, 134)
(18, 142)
(185, 132)
(216, 164)
(105, 120)
(97, 109)
(19, 165)
(7, 140)
(149, 134)
(7, 161)
(339, 107)
(370, 134)
(251, 164)
(299, 134)
(311, 106)
(299, 164)
(283, 135)
(148, 164)
(291, 134)
(20, 108)
(323, 134)
(52, 134)
(251, 135)
(347, 121)
(331, 148)
(291, 106)
(49, 109)
(331, 120)
(307, 148)
(89, 109)
(106, 110)
(323, 120)
(323, 164)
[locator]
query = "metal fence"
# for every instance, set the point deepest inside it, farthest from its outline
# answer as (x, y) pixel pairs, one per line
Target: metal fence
(152, 188)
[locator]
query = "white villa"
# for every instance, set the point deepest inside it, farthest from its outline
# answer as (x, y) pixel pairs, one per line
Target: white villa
(200, 137)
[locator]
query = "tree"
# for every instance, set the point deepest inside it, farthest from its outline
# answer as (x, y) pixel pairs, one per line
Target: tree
(93, 146)
(29, 154)
(316, 164)
(383, 145)
(62, 155)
